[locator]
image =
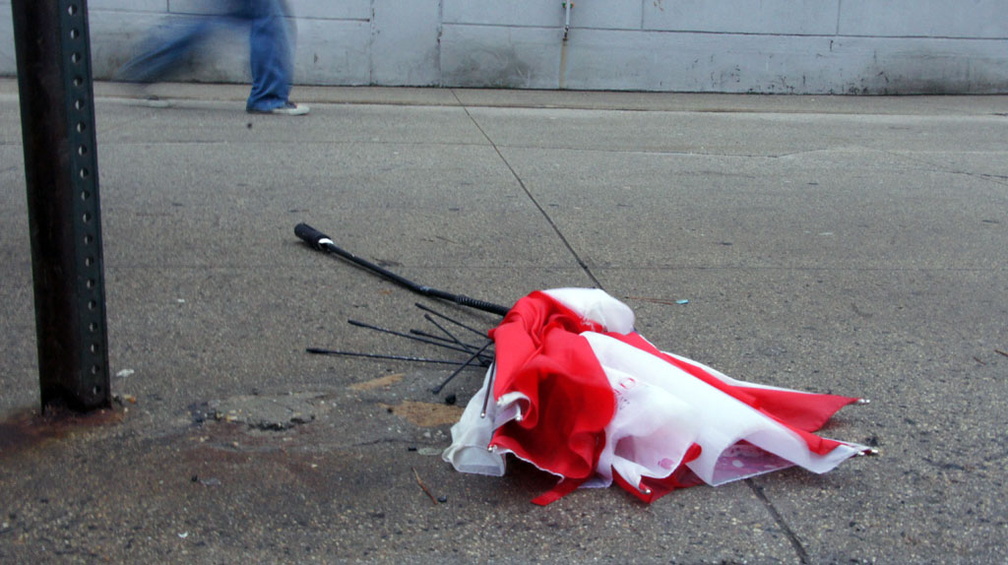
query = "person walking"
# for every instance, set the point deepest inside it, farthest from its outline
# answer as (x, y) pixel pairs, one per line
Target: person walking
(271, 52)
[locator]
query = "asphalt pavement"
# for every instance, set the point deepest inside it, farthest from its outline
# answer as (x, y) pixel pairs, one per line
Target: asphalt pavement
(853, 245)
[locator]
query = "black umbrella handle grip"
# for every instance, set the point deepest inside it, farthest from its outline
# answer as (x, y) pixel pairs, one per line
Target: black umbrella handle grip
(311, 236)
(323, 242)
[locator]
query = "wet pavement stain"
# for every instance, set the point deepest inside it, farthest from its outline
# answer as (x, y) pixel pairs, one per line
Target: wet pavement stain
(426, 414)
(379, 383)
(28, 428)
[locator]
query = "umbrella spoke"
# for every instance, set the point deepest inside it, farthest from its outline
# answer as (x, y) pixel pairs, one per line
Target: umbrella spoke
(471, 347)
(489, 389)
(438, 388)
(321, 351)
(445, 345)
(452, 320)
(434, 322)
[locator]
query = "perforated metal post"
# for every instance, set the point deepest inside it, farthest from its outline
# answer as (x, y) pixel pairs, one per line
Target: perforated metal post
(61, 169)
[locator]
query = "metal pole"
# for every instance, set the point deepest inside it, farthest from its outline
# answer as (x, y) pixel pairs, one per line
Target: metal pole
(61, 171)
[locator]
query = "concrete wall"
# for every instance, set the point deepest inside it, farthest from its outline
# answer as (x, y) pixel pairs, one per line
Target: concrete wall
(764, 46)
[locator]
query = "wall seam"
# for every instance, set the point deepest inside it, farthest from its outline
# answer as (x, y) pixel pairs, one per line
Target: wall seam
(839, 10)
(437, 48)
(370, 47)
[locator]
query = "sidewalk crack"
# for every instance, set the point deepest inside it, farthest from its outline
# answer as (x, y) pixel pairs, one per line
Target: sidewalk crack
(796, 543)
(528, 193)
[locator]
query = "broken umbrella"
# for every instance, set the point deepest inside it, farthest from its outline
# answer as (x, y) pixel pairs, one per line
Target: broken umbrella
(575, 391)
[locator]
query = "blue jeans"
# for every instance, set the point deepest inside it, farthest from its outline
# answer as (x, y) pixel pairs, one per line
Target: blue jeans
(271, 50)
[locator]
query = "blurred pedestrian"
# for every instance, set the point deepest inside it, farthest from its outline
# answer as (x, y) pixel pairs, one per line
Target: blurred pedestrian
(271, 52)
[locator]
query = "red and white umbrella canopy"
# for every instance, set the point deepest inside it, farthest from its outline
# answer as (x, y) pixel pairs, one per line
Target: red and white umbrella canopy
(578, 393)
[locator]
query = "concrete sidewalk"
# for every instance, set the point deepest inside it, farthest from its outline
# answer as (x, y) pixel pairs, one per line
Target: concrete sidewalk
(847, 245)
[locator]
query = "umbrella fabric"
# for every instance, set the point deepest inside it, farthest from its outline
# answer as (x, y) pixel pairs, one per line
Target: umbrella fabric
(579, 394)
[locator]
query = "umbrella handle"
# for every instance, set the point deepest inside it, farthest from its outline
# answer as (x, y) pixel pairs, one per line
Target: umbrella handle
(323, 242)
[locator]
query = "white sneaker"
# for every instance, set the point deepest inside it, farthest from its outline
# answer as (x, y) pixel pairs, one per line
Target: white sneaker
(288, 109)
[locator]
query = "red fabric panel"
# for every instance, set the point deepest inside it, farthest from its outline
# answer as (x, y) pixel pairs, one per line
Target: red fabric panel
(562, 489)
(541, 355)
